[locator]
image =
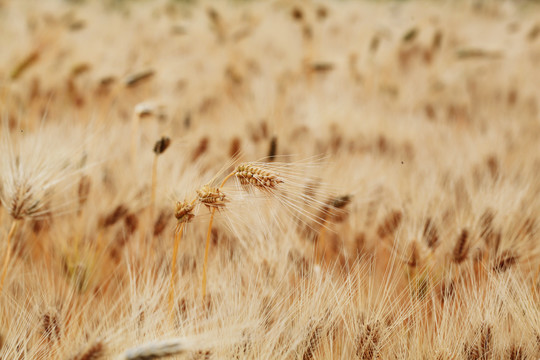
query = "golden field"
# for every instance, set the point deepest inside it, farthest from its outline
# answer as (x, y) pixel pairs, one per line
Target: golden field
(362, 178)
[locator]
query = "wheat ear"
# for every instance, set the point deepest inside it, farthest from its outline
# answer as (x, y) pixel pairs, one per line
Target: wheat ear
(7, 256)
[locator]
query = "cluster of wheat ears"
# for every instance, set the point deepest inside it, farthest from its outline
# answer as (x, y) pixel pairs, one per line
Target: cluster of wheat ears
(393, 212)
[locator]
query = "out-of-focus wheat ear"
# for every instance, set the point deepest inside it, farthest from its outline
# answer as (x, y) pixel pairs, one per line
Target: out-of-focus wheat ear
(272, 149)
(7, 255)
(158, 349)
(462, 247)
(515, 352)
(505, 261)
(431, 235)
(389, 224)
(94, 352)
(159, 148)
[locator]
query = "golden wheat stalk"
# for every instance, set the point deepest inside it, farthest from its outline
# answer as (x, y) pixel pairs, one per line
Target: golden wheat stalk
(213, 199)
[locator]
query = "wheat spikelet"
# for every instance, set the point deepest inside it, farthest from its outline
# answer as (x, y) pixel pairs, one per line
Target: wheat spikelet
(183, 211)
(211, 197)
(157, 350)
(251, 174)
(22, 203)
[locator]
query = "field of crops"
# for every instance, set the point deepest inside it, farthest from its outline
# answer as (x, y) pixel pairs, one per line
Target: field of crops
(269, 179)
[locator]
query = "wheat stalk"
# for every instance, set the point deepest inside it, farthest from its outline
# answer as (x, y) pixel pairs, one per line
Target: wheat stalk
(183, 213)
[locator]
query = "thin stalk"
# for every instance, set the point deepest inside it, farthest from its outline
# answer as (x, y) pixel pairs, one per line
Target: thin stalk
(206, 253)
(226, 178)
(208, 234)
(177, 237)
(7, 256)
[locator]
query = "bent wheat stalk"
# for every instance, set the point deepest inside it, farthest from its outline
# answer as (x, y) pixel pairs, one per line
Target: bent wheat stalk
(214, 199)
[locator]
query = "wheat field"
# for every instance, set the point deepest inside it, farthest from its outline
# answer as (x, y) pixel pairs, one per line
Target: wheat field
(269, 179)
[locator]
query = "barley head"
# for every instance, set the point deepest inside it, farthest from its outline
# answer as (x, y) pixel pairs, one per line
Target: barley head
(250, 174)
(211, 197)
(183, 211)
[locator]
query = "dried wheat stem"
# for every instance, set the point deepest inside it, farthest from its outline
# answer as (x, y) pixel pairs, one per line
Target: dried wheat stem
(7, 256)
(177, 237)
(217, 199)
(207, 246)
